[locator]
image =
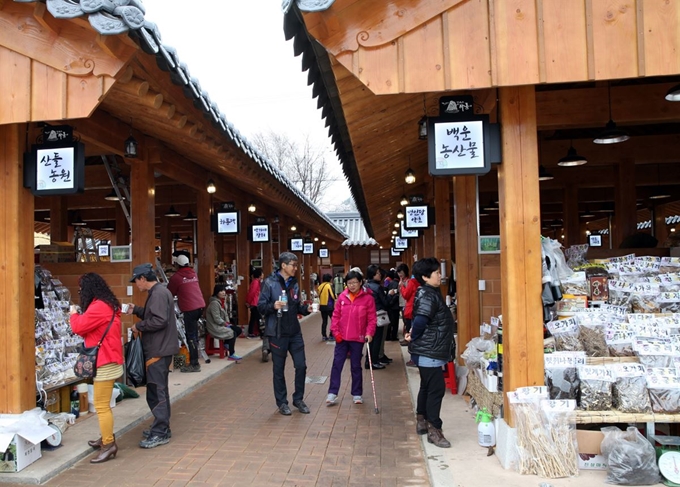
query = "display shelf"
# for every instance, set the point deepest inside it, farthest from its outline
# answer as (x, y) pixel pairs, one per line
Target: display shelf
(589, 417)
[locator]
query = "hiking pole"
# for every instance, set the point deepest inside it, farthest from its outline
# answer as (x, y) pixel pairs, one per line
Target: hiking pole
(370, 368)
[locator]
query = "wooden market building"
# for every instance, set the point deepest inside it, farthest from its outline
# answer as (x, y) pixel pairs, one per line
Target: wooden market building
(101, 69)
(552, 74)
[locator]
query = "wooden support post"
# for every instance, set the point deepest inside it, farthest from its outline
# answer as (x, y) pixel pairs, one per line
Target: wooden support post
(442, 206)
(143, 217)
(467, 258)
(520, 241)
(267, 255)
(58, 219)
(625, 204)
(242, 265)
(17, 357)
(166, 240)
(122, 236)
(572, 234)
(206, 244)
(428, 243)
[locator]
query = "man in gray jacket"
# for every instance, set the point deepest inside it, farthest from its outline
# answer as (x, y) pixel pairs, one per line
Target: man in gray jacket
(160, 342)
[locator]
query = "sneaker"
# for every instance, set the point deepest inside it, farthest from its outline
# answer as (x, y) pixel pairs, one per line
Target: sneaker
(190, 368)
(358, 399)
(411, 363)
(331, 399)
(234, 357)
(302, 407)
(154, 441)
(146, 433)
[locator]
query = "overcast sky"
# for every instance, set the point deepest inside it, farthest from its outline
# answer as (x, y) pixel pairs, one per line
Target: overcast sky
(237, 51)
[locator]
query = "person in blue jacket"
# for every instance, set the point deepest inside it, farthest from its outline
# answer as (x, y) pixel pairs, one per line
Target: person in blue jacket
(282, 328)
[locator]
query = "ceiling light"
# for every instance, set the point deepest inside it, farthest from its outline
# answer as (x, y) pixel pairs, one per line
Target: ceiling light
(673, 94)
(660, 195)
(130, 147)
(323, 242)
(316, 239)
(293, 228)
(172, 212)
(404, 201)
(190, 217)
(396, 225)
(572, 158)
(611, 135)
(409, 177)
(211, 188)
(483, 214)
(251, 208)
(78, 222)
(112, 196)
(400, 215)
(543, 174)
(108, 227)
(394, 232)
(422, 128)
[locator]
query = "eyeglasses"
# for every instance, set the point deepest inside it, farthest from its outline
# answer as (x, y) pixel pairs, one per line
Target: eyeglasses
(295, 264)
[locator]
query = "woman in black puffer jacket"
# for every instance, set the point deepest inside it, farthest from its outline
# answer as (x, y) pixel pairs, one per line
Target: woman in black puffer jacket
(430, 340)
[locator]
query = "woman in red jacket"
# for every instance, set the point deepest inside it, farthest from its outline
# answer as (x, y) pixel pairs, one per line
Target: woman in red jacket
(100, 308)
(353, 324)
(252, 298)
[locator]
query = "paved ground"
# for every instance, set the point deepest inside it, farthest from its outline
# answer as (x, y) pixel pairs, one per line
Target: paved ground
(228, 432)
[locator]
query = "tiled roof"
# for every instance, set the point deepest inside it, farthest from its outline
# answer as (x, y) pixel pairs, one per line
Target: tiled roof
(320, 74)
(352, 224)
(111, 17)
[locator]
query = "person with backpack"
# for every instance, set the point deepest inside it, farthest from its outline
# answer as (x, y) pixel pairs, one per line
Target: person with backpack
(338, 284)
(326, 305)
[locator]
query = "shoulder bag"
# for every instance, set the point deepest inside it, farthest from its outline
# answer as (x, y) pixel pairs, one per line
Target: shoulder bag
(383, 318)
(86, 363)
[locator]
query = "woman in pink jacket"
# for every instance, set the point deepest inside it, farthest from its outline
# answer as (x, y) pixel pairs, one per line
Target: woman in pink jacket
(353, 324)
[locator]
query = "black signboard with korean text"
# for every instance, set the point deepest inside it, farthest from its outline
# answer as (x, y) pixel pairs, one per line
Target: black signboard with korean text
(228, 219)
(400, 243)
(323, 253)
(296, 244)
(418, 217)
(55, 168)
(405, 233)
(308, 248)
(259, 233)
(395, 252)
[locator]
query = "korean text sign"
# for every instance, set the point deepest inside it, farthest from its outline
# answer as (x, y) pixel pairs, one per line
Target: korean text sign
(457, 145)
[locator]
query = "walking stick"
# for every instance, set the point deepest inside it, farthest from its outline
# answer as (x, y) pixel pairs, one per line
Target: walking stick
(370, 368)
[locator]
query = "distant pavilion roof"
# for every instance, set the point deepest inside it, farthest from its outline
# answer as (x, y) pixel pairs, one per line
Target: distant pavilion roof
(352, 224)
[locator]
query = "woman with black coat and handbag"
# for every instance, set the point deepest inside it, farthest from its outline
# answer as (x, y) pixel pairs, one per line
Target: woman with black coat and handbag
(100, 321)
(431, 338)
(374, 279)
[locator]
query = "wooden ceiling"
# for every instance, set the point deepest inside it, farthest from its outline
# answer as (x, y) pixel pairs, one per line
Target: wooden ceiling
(384, 138)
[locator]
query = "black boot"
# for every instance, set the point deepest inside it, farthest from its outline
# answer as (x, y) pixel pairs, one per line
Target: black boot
(421, 425)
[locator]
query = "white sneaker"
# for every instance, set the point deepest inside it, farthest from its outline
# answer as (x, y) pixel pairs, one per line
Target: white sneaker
(330, 400)
(358, 400)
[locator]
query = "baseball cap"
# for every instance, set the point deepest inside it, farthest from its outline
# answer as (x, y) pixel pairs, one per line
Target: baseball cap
(182, 260)
(141, 270)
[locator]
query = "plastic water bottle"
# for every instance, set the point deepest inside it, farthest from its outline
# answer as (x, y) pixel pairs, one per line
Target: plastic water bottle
(486, 434)
(284, 298)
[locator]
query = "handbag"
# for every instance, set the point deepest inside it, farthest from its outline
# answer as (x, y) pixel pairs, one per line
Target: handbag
(135, 364)
(86, 363)
(383, 318)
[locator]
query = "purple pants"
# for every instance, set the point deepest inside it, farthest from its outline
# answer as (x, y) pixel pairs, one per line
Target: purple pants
(341, 349)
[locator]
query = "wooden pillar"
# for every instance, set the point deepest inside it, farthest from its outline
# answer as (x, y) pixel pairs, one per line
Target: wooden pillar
(467, 258)
(166, 240)
(572, 235)
(242, 263)
(142, 189)
(442, 208)
(520, 226)
(267, 255)
(625, 204)
(17, 337)
(284, 234)
(428, 243)
(58, 219)
(122, 236)
(206, 244)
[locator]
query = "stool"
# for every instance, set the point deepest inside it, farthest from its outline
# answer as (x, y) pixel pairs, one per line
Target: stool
(450, 377)
(210, 348)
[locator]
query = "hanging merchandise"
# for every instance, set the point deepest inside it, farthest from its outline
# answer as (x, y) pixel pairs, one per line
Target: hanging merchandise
(486, 434)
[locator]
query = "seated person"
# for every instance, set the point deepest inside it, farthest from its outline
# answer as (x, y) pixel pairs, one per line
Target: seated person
(216, 321)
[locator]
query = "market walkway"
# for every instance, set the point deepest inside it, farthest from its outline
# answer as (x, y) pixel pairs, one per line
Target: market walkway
(226, 431)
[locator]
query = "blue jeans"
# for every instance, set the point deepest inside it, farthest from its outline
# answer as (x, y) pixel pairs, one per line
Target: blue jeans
(341, 349)
(280, 347)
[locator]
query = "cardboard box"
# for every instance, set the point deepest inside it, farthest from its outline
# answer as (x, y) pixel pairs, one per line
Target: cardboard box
(589, 454)
(19, 454)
